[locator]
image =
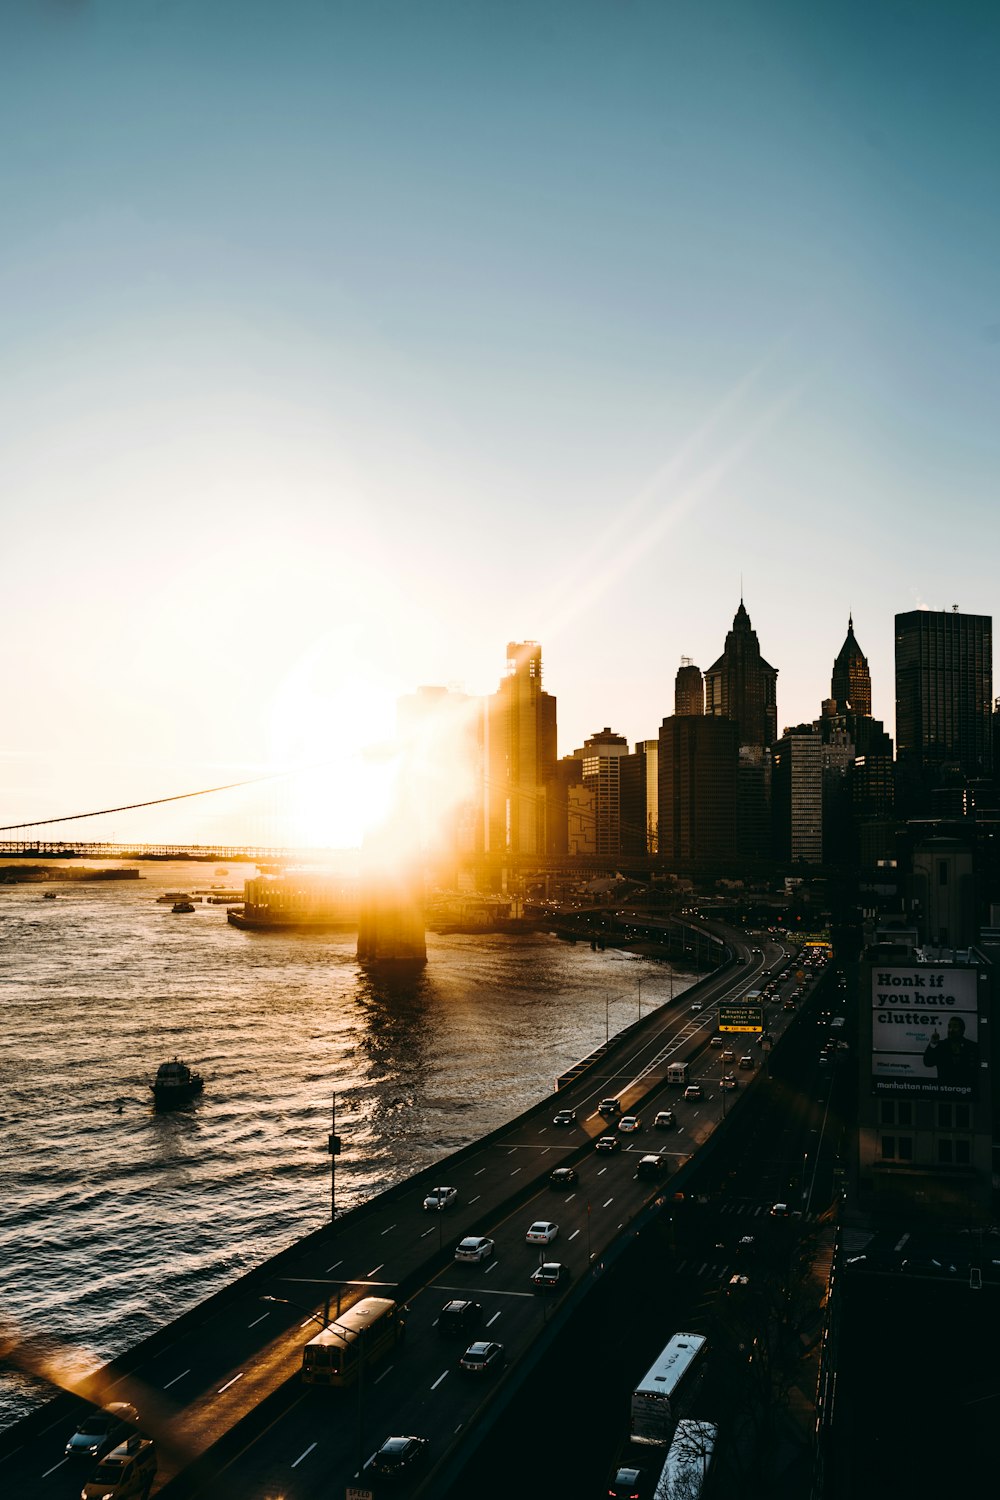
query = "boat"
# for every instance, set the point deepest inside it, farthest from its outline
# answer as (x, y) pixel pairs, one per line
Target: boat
(50, 895)
(169, 897)
(175, 1084)
(183, 906)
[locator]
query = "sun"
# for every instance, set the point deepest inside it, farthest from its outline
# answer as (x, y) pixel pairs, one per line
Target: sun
(333, 727)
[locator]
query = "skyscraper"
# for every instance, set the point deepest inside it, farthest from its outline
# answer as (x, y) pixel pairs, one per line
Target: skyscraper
(851, 684)
(741, 685)
(697, 794)
(520, 754)
(944, 691)
(689, 688)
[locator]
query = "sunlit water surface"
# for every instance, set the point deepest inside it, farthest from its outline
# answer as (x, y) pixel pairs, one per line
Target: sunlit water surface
(114, 1219)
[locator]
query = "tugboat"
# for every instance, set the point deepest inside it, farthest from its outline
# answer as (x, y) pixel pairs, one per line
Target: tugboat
(175, 1084)
(183, 906)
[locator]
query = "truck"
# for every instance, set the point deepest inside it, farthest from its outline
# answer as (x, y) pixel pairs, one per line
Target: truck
(677, 1072)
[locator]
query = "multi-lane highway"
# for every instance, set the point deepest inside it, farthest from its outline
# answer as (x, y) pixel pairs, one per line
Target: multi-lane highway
(233, 1375)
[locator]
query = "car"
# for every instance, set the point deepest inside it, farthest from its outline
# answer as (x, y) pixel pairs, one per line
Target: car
(609, 1107)
(696, 1007)
(542, 1232)
(396, 1456)
(664, 1120)
(788, 1005)
(736, 1284)
(481, 1357)
(564, 1117)
(549, 1276)
(780, 1210)
(746, 1244)
(459, 1315)
(563, 1177)
(651, 1166)
(746, 1061)
(730, 1082)
(729, 1055)
(102, 1430)
(126, 1473)
(693, 1091)
(628, 1482)
(441, 1197)
(717, 1041)
(629, 1124)
(475, 1247)
(606, 1143)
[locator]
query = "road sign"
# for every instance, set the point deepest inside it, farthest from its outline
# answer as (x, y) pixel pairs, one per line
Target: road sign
(741, 1017)
(353, 1493)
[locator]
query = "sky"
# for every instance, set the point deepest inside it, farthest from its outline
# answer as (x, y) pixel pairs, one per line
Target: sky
(345, 341)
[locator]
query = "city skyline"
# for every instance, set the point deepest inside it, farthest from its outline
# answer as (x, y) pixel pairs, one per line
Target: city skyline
(343, 348)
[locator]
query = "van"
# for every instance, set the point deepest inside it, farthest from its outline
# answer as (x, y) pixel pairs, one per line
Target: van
(677, 1072)
(127, 1473)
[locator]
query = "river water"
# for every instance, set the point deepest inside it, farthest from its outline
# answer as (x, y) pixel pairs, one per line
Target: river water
(113, 1218)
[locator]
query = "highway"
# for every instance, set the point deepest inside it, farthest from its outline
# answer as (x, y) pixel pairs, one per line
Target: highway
(232, 1374)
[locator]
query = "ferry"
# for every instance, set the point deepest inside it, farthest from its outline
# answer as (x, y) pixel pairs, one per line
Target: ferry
(183, 906)
(175, 1084)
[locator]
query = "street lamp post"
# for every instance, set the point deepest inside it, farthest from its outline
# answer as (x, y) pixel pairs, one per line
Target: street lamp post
(333, 1146)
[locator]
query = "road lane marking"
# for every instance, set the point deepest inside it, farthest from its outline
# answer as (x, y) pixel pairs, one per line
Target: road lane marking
(55, 1467)
(492, 1266)
(438, 1381)
(389, 1230)
(230, 1382)
(335, 1265)
(427, 1232)
(480, 1172)
(258, 1320)
(602, 1171)
(491, 1321)
(389, 1370)
(608, 1204)
(570, 1198)
(303, 1455)
(515, 1171)
(574, 1234)
(476, 1198)
(371, 1273)
(182, 1374)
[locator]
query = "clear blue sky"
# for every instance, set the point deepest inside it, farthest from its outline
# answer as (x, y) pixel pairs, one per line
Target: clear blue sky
(345, 342)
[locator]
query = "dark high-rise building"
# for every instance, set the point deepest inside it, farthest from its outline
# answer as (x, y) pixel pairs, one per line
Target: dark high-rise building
(741, 685)
(602, 756)
(689, 688)
(640, 798)
(851, 684)
(520, 754)
(698, 760)
(944, 695)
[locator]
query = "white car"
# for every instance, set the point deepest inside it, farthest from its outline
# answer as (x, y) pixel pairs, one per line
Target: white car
(542, 1232)
(474, 1247)
(629, 1124)
(441, 1197)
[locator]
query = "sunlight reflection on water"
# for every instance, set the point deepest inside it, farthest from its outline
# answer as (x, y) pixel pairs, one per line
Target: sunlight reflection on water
(116, 1218)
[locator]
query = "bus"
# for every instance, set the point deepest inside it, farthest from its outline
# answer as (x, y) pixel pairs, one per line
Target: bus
(667, 1388)
(368, 1329)
(686, 1467)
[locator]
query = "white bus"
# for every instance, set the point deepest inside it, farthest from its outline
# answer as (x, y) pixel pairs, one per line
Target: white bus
(687, 1464)
(666, 1390)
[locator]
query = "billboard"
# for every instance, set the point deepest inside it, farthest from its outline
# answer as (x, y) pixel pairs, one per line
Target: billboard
(925, 1031)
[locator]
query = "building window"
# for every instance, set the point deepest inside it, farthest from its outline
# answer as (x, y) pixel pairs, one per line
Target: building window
(945, 1153)
(962, 1153)
(942, 873)
(944, 1116)
(906, 1148)
(905, 1114)
(888, 1147)
(887, 1112)
(962, 1118)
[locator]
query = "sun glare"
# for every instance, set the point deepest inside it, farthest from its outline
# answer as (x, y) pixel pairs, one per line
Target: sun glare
(336, 731)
